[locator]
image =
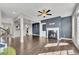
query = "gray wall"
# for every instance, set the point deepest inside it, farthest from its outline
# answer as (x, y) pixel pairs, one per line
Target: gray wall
(43, 21)
(64, 24)
(57, 21)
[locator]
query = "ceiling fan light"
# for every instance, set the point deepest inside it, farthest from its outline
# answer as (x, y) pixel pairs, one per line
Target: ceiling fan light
(44, 14)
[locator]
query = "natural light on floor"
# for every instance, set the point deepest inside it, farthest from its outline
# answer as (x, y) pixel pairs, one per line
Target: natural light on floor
(63, 52)
(55, 44)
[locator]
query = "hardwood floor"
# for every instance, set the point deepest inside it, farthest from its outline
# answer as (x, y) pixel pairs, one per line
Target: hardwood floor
(34, 45)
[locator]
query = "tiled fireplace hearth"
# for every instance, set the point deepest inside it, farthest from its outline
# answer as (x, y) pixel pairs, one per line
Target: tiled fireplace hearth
(53, 33)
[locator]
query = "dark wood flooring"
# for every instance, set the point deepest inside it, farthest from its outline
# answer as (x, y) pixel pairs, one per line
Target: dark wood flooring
(34, 45)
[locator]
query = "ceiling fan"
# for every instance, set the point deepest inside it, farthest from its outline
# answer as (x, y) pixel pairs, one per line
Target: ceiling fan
(44, 13)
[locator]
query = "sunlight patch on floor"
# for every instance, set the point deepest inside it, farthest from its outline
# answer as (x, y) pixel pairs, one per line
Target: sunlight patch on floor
(71, 52)
(63, 52)
(55, 44)
(50, 45)
(50, 53)
(62, 44)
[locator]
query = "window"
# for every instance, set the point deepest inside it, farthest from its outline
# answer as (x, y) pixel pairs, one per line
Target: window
(44, 27)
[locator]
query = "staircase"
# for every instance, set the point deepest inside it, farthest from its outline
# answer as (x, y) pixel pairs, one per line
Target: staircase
(3, 39)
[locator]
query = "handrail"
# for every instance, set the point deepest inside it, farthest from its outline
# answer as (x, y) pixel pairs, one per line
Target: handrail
(4, 29)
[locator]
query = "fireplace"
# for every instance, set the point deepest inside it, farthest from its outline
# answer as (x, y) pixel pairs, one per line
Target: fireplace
(53, 33)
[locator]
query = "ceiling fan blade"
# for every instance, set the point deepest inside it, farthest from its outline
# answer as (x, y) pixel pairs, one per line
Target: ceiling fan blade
(49, 14)
(48, 11)
(39, 11)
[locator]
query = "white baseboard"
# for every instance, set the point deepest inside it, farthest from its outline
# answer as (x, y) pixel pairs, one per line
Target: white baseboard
(65, 38)
(35, 35)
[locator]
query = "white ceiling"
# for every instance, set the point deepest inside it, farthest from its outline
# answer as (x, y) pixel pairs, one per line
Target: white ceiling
(29, 10)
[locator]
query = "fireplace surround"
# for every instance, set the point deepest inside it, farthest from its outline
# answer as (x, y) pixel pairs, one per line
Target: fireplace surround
(52, 34)
(54, 31)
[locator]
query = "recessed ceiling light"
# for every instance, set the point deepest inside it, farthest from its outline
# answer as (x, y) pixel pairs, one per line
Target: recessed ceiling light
(13, 12)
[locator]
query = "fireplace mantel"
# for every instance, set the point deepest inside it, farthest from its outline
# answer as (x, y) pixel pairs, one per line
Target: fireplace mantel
(56, 29)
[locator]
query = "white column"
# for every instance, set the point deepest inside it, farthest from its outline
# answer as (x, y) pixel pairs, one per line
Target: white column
(0, 18)
(21, 28)
(78, 30)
